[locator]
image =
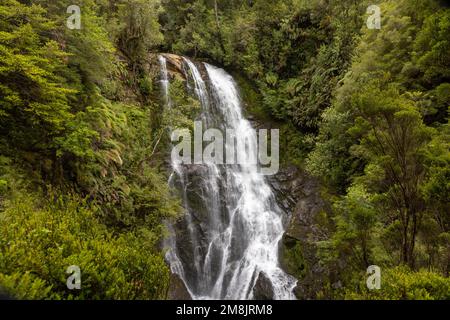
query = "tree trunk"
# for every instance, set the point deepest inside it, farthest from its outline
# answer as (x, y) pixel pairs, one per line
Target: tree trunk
(219, 33)
(405, 243)
(216, 11)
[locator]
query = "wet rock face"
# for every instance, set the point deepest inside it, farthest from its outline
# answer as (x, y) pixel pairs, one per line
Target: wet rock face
(287, 188)
(174, 65)
(263, 289)
(299, 196)
(177, 289)
(186, 246)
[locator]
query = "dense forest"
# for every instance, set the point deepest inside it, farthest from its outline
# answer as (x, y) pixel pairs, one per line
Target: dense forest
(84, 136)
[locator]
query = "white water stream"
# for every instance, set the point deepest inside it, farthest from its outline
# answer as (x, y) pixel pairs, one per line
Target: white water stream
(232, 225)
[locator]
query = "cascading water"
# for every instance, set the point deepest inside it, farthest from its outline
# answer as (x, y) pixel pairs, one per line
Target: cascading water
(165, 80)
(232, 227)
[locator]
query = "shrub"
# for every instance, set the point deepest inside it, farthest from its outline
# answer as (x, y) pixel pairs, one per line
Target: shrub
(401, 283)
(39, 243)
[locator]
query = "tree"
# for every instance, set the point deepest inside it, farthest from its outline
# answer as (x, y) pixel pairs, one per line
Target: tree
(393, 139)
(139, 29)
(34, 108)
(355, 218)
(375, 134)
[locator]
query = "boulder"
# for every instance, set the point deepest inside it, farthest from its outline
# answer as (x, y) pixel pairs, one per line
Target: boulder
(263, 289)
(177, 289)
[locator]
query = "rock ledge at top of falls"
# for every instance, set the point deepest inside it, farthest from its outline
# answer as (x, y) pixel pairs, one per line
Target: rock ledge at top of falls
(174, 64)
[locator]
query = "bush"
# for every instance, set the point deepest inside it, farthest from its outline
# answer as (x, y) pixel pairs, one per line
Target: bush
(401, 283)
(39, 243)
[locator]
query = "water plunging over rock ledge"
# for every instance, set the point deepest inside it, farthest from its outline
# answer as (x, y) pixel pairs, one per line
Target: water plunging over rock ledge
(226, 246)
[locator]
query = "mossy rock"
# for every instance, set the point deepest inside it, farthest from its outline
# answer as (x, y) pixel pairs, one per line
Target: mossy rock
(293, 260)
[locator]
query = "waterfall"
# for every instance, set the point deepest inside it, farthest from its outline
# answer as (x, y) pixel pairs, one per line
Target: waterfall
(165, 80)
(232, 226)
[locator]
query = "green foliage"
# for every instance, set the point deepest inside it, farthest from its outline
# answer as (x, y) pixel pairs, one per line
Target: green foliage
(432, 47)
(293, 260)
(184, 110)
(355, 219)
(382, 136)
(124, 174)
(331, 158)
(402, 284)
(34, 104)
(77, 117)
(292, 49)
(41, 240)
(138, 28)
(79, 114)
